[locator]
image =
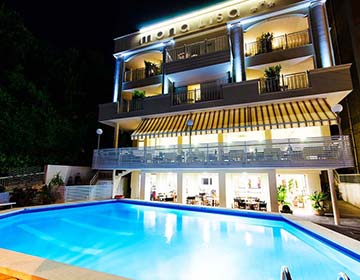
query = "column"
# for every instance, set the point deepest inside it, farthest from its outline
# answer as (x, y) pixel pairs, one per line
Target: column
(118, 79)
(321, 34)
(223, 197)
(135, 184)
(165, 81)
(116, 135)
(142, 185)
(273, 206)
(180, 189)
(237, 50)
(335, 208)
(220, 145)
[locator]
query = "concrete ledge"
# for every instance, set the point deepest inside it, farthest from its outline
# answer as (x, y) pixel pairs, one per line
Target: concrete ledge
(28, 267)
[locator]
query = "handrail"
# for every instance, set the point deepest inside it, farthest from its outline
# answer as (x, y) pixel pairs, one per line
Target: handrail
(281, 42)
(186, 51)
(284, 82)
(94, 178)
(343, 276)
(285, 273)
(142, 73)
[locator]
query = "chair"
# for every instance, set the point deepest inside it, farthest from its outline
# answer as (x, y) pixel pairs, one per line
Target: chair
(262, 206)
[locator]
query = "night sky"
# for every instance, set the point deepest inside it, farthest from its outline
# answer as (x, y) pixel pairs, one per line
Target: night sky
(94, 24)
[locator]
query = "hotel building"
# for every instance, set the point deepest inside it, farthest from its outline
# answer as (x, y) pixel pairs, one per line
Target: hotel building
(226, 104)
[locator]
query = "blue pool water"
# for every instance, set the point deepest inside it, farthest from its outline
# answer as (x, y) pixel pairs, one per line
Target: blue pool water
(147, 242)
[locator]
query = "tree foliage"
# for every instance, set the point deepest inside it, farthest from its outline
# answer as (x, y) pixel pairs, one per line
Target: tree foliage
(48, 98)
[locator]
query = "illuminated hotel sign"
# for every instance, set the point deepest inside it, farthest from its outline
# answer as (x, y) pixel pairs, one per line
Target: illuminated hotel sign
(201, 20)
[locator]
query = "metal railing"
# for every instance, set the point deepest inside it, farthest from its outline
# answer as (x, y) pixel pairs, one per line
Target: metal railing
(208, 91)
(343, 276)
(282, 42)
(31, 175)
(197, 49)
(136, 104)
(86, 192)
(142, 73)
(284, 82)
(334, 151)
(285, 273)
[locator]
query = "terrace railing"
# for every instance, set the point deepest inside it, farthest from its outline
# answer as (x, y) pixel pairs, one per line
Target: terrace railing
(208, 91)
(282, 42)
(83, 193)
(136, 104)
(284, 82)
(21, 176)
(319, 152)
(142, 73)
(199, 48)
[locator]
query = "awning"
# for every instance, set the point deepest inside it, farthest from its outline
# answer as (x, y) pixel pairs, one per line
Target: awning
(313, 112)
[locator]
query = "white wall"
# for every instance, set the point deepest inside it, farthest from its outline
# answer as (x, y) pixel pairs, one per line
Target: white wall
(66, 171)
(350, 193)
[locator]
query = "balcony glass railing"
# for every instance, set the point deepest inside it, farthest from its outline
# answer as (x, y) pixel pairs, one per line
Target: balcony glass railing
(284, 82)
(208, 91)
(142, 73)
(319, 152)
(199, 48)
(286, 41)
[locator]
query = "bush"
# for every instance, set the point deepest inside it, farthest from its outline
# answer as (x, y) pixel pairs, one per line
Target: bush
(23, 196)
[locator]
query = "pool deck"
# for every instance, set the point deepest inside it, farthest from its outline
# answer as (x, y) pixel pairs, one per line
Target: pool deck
(349, 220)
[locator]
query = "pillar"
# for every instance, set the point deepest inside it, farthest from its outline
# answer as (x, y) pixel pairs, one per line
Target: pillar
(220, 145)
(268, 135)
(118, 78)
(165, 81)
(116, 135)
(142, 185)
(325, 130)
(223, 197)
(273, 206)
(335, 208)
(237, 51)
(180, 189)
(135, 185)
(320, 34)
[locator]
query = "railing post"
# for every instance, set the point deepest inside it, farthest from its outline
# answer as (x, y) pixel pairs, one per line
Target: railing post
(286, 42)
(283, 83)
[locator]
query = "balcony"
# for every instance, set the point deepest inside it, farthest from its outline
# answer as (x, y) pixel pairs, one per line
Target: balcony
(197, 49)
(284, 82)
(208, 91)
(196, 55)
(319, 152)
(142, 73)
(283, 42)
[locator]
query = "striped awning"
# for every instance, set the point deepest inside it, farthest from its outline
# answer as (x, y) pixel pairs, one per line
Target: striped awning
(313, 112)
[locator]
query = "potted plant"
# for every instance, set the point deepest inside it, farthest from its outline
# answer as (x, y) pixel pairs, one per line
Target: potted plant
(265, 42)
(272, 78)
(318, 202)
(151, 69)
(281, 194)
(137, 94)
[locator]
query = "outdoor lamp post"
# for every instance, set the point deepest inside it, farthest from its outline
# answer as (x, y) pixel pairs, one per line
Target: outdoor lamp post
(99, 131)
(337, 108)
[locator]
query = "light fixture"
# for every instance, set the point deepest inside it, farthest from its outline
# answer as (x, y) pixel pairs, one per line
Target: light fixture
(99, 131)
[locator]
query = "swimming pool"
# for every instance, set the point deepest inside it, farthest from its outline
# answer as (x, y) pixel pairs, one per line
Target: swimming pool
(138, 241)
